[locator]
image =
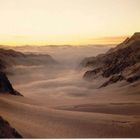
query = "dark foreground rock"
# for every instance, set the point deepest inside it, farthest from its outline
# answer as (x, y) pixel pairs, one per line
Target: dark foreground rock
(6, 131)
(5, 85)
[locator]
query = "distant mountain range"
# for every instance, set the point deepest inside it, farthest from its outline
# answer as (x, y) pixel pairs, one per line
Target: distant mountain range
(119, 63)
(9, 57)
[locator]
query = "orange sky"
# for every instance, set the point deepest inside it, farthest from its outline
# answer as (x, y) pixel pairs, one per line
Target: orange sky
(72, 40)
(42, 22)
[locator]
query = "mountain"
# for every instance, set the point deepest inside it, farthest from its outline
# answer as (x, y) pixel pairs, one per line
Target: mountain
(6, 131)
(9, 58)
(119, 63)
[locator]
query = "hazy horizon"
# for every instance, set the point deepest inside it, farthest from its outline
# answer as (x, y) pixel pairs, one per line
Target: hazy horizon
(70, 22)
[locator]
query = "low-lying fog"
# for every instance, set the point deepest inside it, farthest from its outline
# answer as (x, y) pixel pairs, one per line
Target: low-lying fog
(59, 103)
(58, 82)
(65, 53)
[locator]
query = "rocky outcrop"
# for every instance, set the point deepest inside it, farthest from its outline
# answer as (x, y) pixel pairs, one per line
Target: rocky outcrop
(133, 78)
(117, 61)
(6, 131)
(5, 85)
(89, 75)
(112, 80)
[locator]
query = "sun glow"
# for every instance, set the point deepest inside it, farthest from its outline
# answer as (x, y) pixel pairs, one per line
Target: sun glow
(41, 22)
(57, 40)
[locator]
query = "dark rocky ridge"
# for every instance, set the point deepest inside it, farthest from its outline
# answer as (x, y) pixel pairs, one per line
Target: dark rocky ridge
(122, 60)
(6, 131)
(6, 86)
(112, 80)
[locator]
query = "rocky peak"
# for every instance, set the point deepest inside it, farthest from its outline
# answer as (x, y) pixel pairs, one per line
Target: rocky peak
(127, 42)
(117, 61)
(136, 36)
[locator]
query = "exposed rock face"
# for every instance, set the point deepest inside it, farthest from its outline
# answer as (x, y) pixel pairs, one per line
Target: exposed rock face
(5, 85)
(89, 75)
(117, 61)
(133, 78)
(6, 131)
(113, 79)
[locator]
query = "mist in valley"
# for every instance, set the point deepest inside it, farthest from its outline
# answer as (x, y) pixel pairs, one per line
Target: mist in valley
(58, 102)
(56, 82)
